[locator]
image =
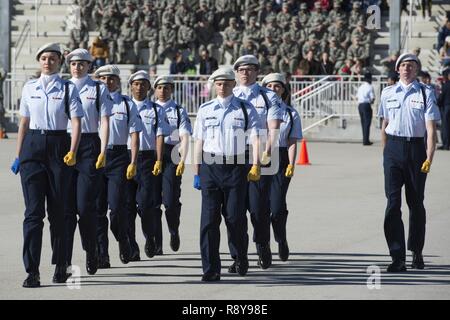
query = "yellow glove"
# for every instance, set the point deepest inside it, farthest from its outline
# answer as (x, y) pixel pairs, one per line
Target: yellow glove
(426, 166)
(289, 171)
(180, 169)
(157, 168)
(70, 159)
(101, 161)
(131, 171)
(254, 174)
(265, 158)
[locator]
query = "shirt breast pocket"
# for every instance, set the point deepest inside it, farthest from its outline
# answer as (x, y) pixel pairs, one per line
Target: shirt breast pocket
(238, 123)
(148, 120)
(392, 108)
(211, 127)
(120, 117)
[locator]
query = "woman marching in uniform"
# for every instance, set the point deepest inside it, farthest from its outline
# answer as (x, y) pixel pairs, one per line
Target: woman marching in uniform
(124, 122)
(290, 133)
(44, 150)
(181, 129)
(85, 177)
(142, 189)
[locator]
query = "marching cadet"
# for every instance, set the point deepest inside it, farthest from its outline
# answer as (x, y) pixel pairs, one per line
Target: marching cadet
(290, 133)
(142, 189)
(409, 113)
(85, 177)
(124, 122)
(267, 105)
(223, 128)
(176, 145)
(46, 106)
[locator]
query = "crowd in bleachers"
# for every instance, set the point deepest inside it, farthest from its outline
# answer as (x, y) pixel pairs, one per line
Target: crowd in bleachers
(299, 37)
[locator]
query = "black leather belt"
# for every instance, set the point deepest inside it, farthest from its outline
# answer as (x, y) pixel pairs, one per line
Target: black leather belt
(217, 158)
(117, 147)
(48, 132)
(406, 139)
(89, 134)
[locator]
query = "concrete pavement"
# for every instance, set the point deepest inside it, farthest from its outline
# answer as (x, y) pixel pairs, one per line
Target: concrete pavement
(335, 232)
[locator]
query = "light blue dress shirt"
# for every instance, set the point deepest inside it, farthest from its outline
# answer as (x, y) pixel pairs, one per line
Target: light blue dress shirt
(46, 108)
(172, 117)
(254, 94)
(119, 125)
(287, 124)
(222, 127)
(366, 94)
(406, 111)
(147, 137)
(88, 95)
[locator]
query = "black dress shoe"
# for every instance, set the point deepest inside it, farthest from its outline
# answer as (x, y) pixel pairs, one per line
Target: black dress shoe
(242, 267)
(175, 242)
(283, 251)
(103, 262)
(124, 251)
(32, 281)
(150, 247)
(210, 277)
(232, 268)
(417, 262)
(397, 266)
(265, 256)
(368, 143)
(159, 250)
(61, 274)
(91, 262)
(135, 256)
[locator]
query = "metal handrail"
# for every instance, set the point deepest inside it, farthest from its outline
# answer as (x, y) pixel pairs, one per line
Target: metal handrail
(404, 44)
(37, 6)
(24, 35)
(314, 84)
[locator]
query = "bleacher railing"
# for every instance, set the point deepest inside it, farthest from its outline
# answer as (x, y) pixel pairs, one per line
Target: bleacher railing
(334, 96)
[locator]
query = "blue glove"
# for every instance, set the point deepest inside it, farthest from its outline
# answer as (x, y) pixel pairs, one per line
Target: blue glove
(15, 166)
(197, 182)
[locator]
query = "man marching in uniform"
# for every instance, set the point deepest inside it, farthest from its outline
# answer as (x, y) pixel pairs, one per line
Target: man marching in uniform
(124, 122)
(267, 105)
(142, 189)
(408, 134)
(222, 129)
(176, 146)
(44, 150)
(85, 176)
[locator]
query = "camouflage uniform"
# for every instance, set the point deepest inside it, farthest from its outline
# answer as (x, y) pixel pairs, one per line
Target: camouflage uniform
(232, 39)
(187, 36)
(288, 53)
(268, 56)
(336, 53)
(253, 33)
(273, 29)
(284, 17)
(147, 38)
(125, 41)
(79, 38)
(356, 51)
(297, 33)
(355, 15)
(304, 15)
(167, 41)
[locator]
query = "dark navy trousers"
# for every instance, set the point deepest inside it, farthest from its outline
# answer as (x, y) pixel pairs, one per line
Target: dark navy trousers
(140, 198)
(445, 126)
(44, 178)
(83, 190)
(278, 192)
(402, 163)
(112, 193)
(365, 113)
(170, 186)
(224, 191)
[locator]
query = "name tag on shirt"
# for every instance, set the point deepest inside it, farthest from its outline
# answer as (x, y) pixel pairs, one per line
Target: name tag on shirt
(119, 116)
(416, 104)
(148, 120)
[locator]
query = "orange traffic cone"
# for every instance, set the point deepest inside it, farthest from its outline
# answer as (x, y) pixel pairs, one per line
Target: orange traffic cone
(303, 157)
(2, 133)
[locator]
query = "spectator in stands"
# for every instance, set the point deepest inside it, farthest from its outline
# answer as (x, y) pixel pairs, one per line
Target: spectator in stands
(232, 39)
(326, 66)
(444, 104)
(389, 62)
(79, 37)
(65, 68)
(346, 69)
(392, 78)
(426, 6)
(444, 32)
(207, 64)
(309, 66)
(99, 50)
(288, 52)
(178, 65)
(444, 53)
